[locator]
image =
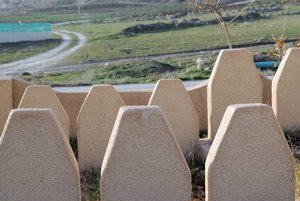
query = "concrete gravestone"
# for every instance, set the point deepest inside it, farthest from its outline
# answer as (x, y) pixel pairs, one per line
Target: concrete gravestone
(95, 123)
(176, 104)
(143, 160)
(44, 97)
(249, 158)
(285, 91)
(234, 80)
(37, 161)
(6, 101)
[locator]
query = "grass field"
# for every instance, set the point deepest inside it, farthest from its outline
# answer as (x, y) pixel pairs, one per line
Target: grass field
(99, 12)
(106, 43)
(10, 52)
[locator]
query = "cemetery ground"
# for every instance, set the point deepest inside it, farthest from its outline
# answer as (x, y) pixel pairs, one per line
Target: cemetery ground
(106, 44)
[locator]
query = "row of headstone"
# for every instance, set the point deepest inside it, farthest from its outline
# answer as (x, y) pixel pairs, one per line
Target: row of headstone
(233, 68)
(100, 108)
(144, 161)
(249, 158)
(234, 80)
(244, 152)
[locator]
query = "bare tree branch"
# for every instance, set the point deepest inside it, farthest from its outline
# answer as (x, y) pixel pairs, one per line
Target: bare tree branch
(240, 13)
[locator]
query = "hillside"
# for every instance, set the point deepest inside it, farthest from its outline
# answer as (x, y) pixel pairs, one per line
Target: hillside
(20, 4)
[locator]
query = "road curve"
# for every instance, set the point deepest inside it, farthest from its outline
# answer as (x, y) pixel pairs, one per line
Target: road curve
(46, 59)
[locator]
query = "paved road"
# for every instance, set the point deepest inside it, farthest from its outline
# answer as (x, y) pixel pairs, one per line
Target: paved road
(47, 59)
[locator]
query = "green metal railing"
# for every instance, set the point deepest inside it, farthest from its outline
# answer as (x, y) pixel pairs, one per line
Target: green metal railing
(25, 27)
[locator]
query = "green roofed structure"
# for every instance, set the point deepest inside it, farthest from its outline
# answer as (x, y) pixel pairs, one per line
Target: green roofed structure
(17, 32)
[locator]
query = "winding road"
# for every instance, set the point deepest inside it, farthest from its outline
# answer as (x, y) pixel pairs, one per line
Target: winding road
(47, 59)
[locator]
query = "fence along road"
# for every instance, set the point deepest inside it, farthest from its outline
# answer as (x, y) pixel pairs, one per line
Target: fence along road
(46, 59)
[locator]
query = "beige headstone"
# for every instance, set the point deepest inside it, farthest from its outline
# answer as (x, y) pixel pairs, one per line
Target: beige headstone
(44, 97)
(143, 161)
(249, 158)
(37, 162)
(96, 120)
(176, 104)
(6, 100)
(234, 80)
(285, 91)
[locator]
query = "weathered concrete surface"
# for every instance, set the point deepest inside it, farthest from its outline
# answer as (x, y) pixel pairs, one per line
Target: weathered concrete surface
(176, 104)
(249, 158)
(19, 87)
(96, 119)
(44, 97)
(6, 101)
(233, 80)
(285, 91)
(198, 96)
(72, 103)
(143, 160)
(136, 97)
(37, 162)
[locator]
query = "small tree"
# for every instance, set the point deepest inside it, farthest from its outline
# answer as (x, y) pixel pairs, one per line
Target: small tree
(279, 44)
(217, 9)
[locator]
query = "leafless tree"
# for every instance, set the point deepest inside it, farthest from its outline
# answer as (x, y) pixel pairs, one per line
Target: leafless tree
(216, 7)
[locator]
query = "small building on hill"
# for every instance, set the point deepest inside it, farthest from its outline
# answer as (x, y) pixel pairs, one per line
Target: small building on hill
(17, 32)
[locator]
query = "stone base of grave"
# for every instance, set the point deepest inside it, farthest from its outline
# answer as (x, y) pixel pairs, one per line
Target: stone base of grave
(202, 148)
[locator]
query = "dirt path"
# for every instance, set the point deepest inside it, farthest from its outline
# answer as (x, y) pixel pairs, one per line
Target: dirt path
(47, 59)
